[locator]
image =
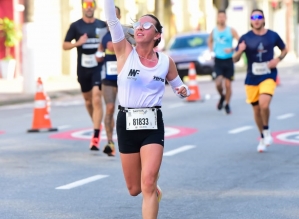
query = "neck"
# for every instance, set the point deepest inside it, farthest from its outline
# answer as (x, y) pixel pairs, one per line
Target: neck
(221, 26)
(260, 31)
(145, 52)
(88, 20)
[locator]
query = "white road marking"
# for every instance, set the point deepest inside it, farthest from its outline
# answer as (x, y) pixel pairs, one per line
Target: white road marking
(241, 129)
(69, 103)
(82, 182)
(63, 127)
(285, 116)
(19, 106)
(178, 150)
(176, 105)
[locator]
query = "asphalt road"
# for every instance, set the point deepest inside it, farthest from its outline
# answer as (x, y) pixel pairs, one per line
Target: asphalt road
(210, 168)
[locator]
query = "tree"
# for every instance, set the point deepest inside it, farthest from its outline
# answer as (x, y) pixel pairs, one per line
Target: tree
(11, 34)
(221, 4)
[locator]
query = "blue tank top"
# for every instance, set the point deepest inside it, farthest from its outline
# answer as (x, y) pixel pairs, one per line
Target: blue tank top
(110, 59)
(222, 40)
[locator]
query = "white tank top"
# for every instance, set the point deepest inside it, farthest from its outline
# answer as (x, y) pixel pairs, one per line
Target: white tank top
(140, 86)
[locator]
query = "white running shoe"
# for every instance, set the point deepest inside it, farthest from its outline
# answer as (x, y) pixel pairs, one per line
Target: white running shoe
(261, 147)
(268, 140)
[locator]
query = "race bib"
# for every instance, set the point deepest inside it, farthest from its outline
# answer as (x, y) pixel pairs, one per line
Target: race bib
(88, 61)
(111, 68)
(260, 68)
(141, 119)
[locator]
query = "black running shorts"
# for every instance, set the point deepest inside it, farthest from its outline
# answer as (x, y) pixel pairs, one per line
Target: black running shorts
(224, 67)
(130, 141)
(88, 78)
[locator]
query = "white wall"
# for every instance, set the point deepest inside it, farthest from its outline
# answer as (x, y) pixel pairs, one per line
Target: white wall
(47, 38)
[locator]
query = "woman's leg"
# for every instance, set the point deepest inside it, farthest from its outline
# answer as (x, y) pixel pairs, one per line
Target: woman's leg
(131, 165)
(151, 158)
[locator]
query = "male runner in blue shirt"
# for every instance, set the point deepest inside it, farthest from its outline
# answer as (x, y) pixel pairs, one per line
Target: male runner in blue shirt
(260, 83)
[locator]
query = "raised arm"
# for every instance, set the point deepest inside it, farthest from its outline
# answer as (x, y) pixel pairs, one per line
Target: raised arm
(120, 43)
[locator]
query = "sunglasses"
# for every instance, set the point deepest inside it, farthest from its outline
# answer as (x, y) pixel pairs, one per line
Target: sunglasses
(146, 25)
(257, 17)
(88, 5)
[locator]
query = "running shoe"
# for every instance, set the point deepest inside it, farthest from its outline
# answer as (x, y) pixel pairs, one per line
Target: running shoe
(227, 109)
(220, 103)
(109, 149)
(94, 144)
(159, 193)
(268, 140)
(261, 147)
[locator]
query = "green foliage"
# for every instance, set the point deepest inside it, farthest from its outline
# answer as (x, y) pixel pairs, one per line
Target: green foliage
(11, 34)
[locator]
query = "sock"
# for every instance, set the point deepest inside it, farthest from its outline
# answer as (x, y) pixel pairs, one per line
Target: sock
(266, 127)
(262, 135)
(96, 133)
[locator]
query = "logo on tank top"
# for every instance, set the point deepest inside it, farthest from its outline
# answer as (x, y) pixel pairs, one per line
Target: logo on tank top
(222, 39)
(158, 79)
(260, 51)
(133, 73)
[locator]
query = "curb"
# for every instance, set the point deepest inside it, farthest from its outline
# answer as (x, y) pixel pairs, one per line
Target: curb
(26, 98)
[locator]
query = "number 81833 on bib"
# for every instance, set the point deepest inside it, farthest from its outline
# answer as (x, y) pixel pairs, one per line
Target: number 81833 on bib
(141, 119)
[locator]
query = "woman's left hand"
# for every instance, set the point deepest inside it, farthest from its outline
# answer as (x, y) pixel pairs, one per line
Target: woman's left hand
(182, 91)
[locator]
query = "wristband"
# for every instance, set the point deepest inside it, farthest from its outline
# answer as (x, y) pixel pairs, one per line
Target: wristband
(100, 54)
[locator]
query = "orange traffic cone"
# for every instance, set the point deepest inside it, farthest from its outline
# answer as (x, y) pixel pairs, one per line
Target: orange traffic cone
(192, 84)
(41, 118)
(277, 80)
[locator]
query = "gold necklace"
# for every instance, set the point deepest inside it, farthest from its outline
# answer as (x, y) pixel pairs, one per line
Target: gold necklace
(151, 60)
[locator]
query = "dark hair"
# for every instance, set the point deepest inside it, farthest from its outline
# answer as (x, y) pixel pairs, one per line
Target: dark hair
(117, 9)
(221, 11)
(258, 10)
(158, 26)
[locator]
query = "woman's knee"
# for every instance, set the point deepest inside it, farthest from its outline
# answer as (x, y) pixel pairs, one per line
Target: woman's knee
(148, 183)
(134, 190)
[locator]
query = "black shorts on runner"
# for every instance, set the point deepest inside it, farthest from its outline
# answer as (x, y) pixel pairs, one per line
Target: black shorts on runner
(131, 141)
(107, 82)
(89, 78)
(224, 67)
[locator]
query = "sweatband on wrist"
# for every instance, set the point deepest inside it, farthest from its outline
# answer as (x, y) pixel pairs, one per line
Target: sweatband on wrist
(116, 30)
(178, 83)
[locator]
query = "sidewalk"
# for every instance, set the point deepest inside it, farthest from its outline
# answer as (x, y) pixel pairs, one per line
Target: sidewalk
(60, 86)
(11, 91)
